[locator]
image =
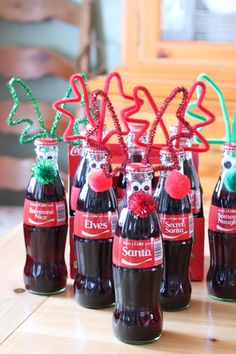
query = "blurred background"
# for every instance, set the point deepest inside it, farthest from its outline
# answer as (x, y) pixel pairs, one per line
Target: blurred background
(85, 39)
(157, 43)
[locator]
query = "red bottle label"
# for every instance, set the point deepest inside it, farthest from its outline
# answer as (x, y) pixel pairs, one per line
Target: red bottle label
(120, 193)
(176, 227)
(95, 226)
(195, 197)
(222, 220)
(44, 214)
(137, 253)
(74, 197)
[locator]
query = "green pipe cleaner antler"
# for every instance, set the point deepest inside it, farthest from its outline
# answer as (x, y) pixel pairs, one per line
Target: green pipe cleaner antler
(230, 135)
(16, 105)
(23, 139)
(233, 131)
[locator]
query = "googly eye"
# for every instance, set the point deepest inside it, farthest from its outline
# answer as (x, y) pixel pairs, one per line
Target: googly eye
(40, 156)
(145, 187)
(227, 163)
(49, 156)
(136, 186)
(101, 165)
(93, 165)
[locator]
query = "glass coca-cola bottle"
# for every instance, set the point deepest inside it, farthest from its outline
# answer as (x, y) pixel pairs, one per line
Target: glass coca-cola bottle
(45, 223)
(79, 178)
(176, 223)
(190, 171)
(137, 263)
(221, 276)
(94, 227)
(135, 153)
(82, 170)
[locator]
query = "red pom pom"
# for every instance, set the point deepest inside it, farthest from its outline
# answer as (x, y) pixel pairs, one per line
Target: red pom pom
(98, 181)
(177, 185)
(141, 204)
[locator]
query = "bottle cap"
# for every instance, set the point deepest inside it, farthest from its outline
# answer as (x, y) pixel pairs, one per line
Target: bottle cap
(166, 150)
(229, 147)
(45, 141)
(174, 129)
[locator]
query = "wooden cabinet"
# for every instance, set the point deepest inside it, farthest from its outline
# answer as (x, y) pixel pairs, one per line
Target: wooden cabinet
(161, 65)
(164, 64)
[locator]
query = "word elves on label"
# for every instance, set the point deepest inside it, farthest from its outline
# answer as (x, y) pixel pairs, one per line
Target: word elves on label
(90, 224)
(95, 226)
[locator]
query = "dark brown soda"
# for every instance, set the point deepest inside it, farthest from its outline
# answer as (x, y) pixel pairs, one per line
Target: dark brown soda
(45, 269)
(176, 286)
(137, 316)
(191, 173)
(94, 282)
(79, 180)
(221, 276)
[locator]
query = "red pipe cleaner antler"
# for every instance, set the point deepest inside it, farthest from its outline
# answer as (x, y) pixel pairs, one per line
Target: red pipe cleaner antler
(58, 106)
(158, 119)
(192, 129)
(117, 130)
(131, 110)
(106, 88)
(94, 135)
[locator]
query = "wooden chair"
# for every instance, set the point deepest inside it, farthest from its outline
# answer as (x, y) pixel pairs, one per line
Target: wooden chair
(30, 63)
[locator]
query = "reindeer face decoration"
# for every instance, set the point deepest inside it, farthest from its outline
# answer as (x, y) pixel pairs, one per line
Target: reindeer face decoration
(100, 176)
(185, 130)
(228, 143)
(45, 142)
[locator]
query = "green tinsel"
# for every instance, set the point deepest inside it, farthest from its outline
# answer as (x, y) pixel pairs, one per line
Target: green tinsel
(43, 133)
(44, 171)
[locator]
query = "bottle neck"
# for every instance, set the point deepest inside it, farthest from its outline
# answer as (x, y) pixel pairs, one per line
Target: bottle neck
(96, 158)
(167, 161)
(131, 137)
(47, 152)
(136, 153)
(183, 141)
(228, 159)
(188, 155)
(139, 181)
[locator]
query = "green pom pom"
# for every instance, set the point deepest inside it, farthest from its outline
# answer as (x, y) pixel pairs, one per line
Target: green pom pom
(44, 171)
(230, 181)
